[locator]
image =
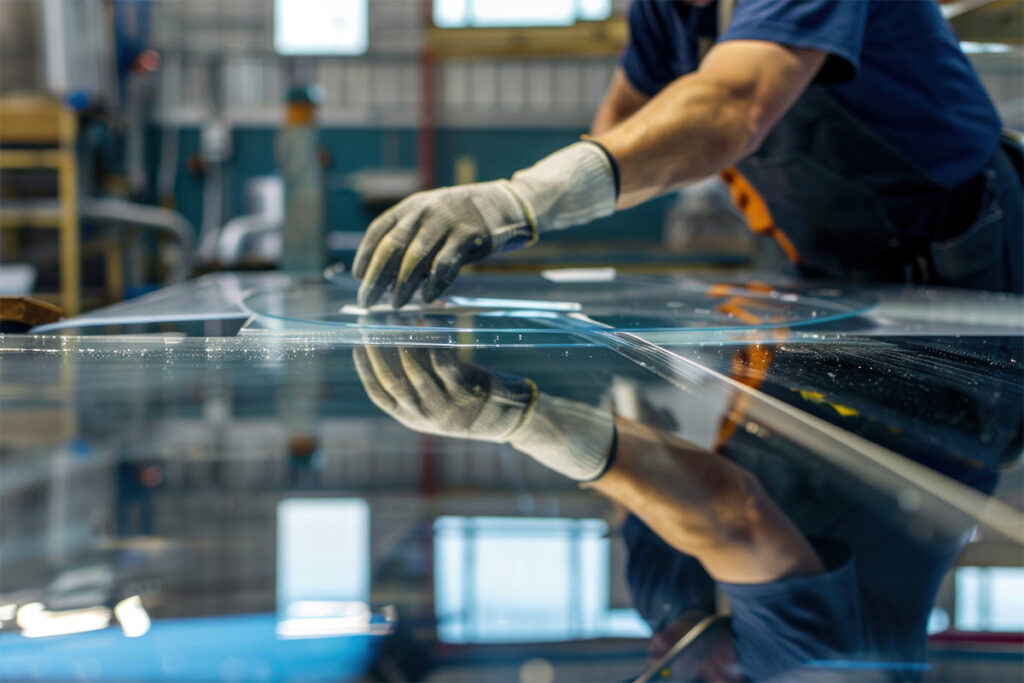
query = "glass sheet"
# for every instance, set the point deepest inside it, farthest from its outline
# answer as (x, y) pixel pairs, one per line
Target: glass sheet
(532, 310)
(196, 508)
(568, 304)
(210, 297)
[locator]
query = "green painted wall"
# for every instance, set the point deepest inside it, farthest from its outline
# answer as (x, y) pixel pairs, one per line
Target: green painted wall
(498, 153)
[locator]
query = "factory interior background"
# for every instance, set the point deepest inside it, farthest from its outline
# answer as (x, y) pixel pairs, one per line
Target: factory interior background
(179, 105)
(194, 496)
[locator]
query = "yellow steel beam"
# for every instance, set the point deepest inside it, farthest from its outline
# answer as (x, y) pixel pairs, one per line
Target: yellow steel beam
(31, 158)
(590, 38)
(998, 21)
(47, 217)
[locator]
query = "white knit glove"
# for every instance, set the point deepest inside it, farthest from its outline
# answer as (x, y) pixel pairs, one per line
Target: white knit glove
(426, 238)
(431, 391)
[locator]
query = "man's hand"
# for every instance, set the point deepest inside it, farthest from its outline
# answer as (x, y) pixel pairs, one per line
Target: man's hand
(425, 239)
(431, 391)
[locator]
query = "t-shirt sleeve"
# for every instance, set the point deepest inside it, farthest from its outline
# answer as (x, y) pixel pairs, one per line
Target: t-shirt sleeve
(786, 625)
(832, 26)
(665, 583)
(647, 59)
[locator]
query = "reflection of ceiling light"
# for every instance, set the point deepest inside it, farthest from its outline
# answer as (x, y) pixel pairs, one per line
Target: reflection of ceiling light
(28, 612)
(321, 627)
(132, 616)
(973, 48)
(328, 608)
(324, 618)
(37, 622)
(320, 618)
(7, 611)
(578, 274)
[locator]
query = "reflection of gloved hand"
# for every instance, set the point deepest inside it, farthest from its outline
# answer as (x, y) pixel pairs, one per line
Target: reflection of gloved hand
(430, 391)
(426, 238)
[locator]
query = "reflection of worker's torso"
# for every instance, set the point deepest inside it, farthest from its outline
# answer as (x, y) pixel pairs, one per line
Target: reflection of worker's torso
(900, 556)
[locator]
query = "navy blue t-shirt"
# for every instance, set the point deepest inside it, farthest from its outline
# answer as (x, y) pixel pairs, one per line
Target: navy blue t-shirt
(894, 64)
(800, 623)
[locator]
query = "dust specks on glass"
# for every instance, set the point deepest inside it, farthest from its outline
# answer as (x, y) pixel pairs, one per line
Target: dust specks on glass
(271, 502)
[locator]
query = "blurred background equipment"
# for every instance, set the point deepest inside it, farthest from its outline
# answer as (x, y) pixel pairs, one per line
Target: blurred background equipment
(38, 137)
(163, 488)
(193, 106)
(297, 157)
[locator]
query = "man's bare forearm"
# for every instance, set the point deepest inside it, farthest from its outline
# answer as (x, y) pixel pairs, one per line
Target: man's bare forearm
(707, 120)
(705, 506)
(691, 130)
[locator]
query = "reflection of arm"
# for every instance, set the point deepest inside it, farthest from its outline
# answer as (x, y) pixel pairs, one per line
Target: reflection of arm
(698, 502)
(705, 506)
(621, 101)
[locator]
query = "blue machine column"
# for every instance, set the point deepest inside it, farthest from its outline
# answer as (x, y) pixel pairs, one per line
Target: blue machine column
(297, 145)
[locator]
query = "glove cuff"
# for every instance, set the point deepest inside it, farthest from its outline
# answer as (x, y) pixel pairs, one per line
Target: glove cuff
(572, 438)
(518, 227)
(575, 185)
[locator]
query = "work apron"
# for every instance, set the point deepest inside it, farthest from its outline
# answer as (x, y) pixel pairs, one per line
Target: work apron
(847, 205)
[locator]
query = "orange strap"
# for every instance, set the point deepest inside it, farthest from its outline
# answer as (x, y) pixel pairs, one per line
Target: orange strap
(755, 210)
(750, 367)
(750, 363)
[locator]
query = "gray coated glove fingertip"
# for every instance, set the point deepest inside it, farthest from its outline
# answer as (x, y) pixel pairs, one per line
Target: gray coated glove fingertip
(366, 296)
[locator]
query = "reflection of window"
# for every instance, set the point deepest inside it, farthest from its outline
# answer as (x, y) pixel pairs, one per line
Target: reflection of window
(990, 599)
(320, 27)
(520, 13)
(521, 579)
(323, 551)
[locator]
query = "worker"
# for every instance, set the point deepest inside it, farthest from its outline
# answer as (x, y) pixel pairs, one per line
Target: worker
(860, 125)
(818, 570)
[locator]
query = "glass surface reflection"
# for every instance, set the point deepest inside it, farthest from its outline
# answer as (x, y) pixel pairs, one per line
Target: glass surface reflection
(156, 469)
(821, 576)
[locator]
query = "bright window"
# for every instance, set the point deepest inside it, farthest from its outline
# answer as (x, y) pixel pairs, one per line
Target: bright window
(521, 13)
(525, 579)
(323, 551)
(990, 599)
(320, 27)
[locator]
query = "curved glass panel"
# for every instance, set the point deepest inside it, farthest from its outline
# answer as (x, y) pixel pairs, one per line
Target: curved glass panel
(535, 310)
(322, 502)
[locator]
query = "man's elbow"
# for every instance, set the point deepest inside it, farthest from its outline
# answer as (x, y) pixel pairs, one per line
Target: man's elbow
(746, 121)
(734, 514)
(759, 81)
(743, 122)
(756, 125)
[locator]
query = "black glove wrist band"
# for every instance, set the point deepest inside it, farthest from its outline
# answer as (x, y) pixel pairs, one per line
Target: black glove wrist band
(614, 164)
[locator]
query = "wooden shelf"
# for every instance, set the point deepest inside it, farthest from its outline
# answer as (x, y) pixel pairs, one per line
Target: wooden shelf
(34, 120)
(30, 215)
(33, 158)
(987, 21)
(588, 38)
